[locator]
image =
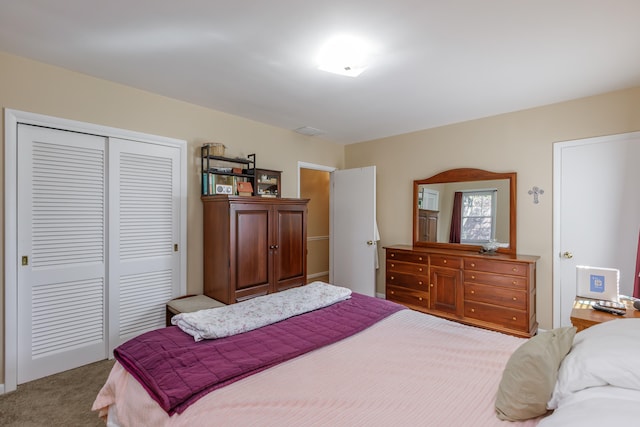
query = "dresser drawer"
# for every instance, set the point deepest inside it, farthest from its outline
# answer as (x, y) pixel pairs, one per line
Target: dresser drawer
(406, 267)
(408, 297)
(408, 280)
(493, 266)
(510, 318)
(445, 261)
(513, 282)
(413, 257)
(504, 297)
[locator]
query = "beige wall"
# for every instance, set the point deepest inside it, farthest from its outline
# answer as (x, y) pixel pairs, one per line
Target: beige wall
(35, 87)
(520, 141)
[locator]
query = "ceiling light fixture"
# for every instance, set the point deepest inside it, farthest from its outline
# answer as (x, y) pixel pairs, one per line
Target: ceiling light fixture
(344, 55)
(309, 131)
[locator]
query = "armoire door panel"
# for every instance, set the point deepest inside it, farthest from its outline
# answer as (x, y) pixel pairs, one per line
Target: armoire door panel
(291, 244)
(252, 255)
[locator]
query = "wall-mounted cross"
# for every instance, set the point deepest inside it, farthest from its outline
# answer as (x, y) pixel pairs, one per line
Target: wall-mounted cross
(536, 192)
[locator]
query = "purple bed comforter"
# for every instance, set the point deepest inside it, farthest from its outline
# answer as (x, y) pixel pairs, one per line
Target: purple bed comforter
(177, 371)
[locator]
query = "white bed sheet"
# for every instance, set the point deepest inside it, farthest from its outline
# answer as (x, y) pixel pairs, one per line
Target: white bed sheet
(409, 369)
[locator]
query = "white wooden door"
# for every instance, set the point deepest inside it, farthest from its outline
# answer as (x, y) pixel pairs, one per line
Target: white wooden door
(596, 213)
(144, 224)
(61, 248)
(353, 238)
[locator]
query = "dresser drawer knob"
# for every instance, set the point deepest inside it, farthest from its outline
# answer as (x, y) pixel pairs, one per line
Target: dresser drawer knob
(515, 299)
(515, 283)
(393, 278)
(445, 261)
(393, 255)
(420, 269)
(420, 298)
(473, 264)
(473, 292)
(393, 292)
(515, 269)
(473, 310)
(473, 277)
(420, 282)
(432, 285)
(420, 258)
(514, 318)
(393, 265)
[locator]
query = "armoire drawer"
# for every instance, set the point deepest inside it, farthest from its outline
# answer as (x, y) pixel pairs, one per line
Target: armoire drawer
(504, 297)
(510, 318)
(513, 282)
(494, 266)
(409, 297)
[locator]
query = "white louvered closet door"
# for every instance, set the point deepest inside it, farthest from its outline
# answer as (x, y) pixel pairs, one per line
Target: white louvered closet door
(144, 209)
(62, 249)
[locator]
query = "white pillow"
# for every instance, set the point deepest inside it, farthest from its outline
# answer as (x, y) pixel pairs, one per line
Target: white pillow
(604, 354)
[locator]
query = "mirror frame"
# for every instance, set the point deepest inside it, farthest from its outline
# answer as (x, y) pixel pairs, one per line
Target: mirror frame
(463, 175)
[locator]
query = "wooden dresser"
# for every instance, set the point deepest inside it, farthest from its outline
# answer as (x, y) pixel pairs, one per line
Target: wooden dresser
(253, 246)
(496, 292)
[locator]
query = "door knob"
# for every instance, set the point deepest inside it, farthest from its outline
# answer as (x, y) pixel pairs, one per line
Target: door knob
(567, 255)
(370, 242)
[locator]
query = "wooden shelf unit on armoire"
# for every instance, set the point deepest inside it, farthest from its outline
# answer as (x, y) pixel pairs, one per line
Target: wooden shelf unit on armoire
(253, 246)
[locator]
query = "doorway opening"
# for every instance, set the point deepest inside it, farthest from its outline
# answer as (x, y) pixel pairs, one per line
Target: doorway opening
(313, 184)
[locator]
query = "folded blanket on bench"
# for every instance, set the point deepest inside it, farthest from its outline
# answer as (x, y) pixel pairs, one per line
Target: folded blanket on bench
(260, 311)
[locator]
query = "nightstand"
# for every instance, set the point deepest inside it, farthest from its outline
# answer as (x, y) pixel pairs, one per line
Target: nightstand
(584, 316)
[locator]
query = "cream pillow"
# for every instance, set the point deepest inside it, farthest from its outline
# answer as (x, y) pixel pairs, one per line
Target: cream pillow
(530, 375)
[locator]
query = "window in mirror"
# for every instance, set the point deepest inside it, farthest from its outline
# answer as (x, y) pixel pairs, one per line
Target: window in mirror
(478, 216)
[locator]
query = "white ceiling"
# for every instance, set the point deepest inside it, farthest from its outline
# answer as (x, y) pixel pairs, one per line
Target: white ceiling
(437, 61)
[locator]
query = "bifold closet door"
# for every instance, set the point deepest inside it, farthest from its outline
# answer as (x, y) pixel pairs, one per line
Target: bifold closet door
(62, 249)
(98, 241)
(144, 231)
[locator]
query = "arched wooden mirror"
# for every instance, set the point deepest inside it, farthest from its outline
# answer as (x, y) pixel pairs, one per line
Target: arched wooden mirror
(485, 210)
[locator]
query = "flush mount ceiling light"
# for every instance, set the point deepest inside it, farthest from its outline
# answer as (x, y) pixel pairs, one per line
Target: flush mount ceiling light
(309, 131)
(344, 55)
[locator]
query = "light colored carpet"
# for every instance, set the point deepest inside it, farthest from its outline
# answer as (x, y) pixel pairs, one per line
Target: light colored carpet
(63, 399)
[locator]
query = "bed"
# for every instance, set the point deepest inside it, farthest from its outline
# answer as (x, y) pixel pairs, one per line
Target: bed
(405, 368)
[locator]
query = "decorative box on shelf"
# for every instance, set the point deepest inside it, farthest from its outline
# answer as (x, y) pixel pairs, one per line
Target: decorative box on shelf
(245, 189)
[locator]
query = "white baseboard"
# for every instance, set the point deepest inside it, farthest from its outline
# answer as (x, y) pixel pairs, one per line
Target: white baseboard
(1, 388)
(381, 295)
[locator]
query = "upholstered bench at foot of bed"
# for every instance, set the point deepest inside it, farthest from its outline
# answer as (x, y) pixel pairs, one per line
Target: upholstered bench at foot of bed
(189, 304)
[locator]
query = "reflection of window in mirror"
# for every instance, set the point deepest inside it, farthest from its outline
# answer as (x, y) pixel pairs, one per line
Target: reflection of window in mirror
(478, 216)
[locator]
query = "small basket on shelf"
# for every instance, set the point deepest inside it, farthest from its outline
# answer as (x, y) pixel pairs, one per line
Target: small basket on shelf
(216, 148)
